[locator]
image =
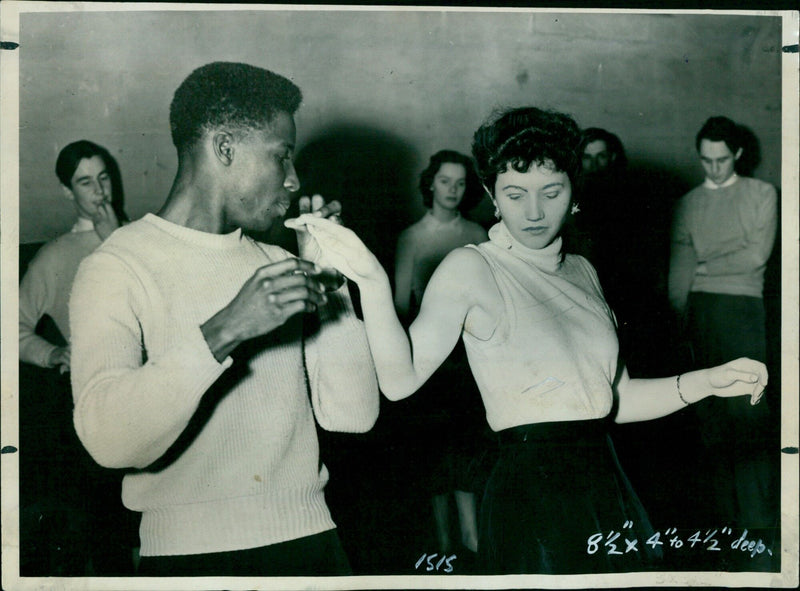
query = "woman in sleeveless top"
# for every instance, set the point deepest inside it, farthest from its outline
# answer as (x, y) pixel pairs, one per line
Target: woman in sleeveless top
(542, 346)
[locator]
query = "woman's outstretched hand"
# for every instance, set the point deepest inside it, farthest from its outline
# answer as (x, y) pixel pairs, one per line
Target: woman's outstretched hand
(340, 247)
(739, 377)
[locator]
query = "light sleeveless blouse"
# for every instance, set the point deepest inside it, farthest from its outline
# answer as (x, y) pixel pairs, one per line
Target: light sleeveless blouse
(553, 354)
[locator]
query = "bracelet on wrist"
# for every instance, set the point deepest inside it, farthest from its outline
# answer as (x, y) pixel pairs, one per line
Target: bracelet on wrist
(678, 386)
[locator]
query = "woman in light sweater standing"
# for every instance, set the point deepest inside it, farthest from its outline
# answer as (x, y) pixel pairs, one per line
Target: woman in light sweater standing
(448, 421)
(542, 346)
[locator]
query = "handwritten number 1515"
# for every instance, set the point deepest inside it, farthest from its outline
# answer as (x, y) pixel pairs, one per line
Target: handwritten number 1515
(433, 564)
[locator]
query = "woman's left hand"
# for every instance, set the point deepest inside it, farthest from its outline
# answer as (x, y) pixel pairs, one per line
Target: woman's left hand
(737, 378)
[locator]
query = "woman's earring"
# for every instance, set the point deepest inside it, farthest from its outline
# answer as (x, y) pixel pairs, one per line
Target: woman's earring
(575, 209)
(496, 211)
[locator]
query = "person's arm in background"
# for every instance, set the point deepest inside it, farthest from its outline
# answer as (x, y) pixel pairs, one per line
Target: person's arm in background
(36, 296)
(683, 260)
(403, 273)
(759, 239)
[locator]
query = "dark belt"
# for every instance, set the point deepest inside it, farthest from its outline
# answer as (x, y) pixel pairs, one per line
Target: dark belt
(553, 432)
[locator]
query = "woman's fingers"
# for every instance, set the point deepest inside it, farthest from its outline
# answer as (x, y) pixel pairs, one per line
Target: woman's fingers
(317, 203)
(740, 377)
(316, 206)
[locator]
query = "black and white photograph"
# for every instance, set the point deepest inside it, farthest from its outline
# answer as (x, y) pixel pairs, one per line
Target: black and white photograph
(307, 296)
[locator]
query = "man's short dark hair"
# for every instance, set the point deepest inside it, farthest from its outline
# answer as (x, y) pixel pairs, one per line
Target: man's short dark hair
(720, 129)
(612, 142)
(71, 155)
(239, 96)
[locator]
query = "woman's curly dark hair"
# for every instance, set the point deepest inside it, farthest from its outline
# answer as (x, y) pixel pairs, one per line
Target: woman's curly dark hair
(472, 193)
(523, 136)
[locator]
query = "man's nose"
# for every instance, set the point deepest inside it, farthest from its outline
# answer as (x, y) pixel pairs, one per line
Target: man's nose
(292, 181)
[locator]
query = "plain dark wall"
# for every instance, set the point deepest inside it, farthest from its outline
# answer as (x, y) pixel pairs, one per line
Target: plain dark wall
(389, 88)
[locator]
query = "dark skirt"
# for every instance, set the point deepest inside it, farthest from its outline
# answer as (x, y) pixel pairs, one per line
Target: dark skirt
(557, 502)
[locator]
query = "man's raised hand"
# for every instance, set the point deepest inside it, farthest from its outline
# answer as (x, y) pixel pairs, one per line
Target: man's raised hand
(272, 295)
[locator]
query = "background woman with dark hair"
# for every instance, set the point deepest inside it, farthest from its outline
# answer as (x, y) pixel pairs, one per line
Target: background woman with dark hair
(447, 420)
(449, 188)
(542, 346)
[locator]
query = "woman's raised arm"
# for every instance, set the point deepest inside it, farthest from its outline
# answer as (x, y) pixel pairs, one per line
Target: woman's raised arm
(403, 361)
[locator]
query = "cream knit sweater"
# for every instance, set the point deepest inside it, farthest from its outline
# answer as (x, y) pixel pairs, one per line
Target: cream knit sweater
(45, 289)
(234, 443)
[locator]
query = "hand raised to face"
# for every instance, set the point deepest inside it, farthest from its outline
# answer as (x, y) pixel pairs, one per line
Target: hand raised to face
(105, 220)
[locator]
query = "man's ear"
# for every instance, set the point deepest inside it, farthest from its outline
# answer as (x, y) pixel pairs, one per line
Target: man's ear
(67, 192)
(223, 145)
(738, 154)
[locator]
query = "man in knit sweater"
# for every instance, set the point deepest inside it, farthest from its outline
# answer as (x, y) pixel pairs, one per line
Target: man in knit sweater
(89, 178)
(83, 168)
(193, 361)
(723, 234)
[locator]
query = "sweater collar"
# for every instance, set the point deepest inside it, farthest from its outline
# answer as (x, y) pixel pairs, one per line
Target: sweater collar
(83, 225)
(709, 184)
(546, 259)
(201, 239)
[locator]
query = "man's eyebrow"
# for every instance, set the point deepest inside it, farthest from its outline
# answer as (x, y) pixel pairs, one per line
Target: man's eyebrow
(88, 176)
(514, 187)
